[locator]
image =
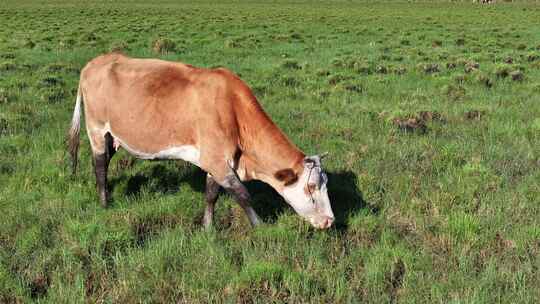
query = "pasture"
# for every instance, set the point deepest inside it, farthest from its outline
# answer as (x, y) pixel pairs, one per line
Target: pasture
(430, 113)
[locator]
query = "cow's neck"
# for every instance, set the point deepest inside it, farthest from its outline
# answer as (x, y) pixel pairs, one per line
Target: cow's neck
(265, 148)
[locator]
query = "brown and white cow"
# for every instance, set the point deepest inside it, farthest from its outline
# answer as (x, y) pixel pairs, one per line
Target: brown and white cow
(157, 109)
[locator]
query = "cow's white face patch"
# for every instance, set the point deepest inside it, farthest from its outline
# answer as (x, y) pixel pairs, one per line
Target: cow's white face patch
(309, 194)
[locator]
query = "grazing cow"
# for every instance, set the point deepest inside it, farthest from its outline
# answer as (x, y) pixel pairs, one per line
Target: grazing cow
(157, 109)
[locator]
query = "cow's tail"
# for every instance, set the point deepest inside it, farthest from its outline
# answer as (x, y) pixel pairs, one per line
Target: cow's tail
(75, 130)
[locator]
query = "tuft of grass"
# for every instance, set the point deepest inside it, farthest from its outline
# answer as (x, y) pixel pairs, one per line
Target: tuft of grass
(119, 46)
(51, 81)
(471, 66)
(484, 80)
(502, 70)
(289, 81)
(232, 44)
(353, 87)
(428, 68)
(8, 66)
(337, 78)
(400, 70)
(474, 114)
(517, 75)
(464, 227)
(381, 69)
(437, 43)
(362, 67)
(163, 46)
(533, 57)
(411, 125)
(291, 64)
(454, 92)
(322, 72)
(451, 65)
(7, 96)
(29, 44)
(67, 43)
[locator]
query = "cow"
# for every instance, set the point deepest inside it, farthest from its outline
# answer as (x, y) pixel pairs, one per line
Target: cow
(158, 109)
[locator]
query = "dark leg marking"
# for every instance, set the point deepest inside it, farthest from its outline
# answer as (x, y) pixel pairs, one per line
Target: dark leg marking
(211, 195)
(233, 185)
(109, 146)
(101, 164)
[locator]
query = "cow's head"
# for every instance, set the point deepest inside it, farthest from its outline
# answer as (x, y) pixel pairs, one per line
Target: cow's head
(306, 192)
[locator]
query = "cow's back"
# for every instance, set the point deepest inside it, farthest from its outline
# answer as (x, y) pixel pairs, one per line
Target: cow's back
(152, 105)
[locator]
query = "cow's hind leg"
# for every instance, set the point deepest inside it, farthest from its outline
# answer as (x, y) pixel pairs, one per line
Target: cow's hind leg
(102, 152)
(100, 168)
(211, 195)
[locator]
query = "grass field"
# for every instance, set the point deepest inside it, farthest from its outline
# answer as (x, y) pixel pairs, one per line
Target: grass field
(430, 112)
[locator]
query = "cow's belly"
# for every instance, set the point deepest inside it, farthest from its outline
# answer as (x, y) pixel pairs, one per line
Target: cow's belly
(188, 153)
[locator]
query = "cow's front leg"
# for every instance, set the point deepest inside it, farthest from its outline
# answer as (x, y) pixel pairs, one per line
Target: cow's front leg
(211, 195)
(235, 187)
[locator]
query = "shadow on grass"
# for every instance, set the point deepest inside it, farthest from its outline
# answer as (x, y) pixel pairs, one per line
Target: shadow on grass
(345, 197)
(159, 178)
(347, 200)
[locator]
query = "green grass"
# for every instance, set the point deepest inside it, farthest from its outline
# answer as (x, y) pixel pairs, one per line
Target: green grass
(430, 112)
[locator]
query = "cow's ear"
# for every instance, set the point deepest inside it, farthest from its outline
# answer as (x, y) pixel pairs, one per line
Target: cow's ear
(287, 176)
